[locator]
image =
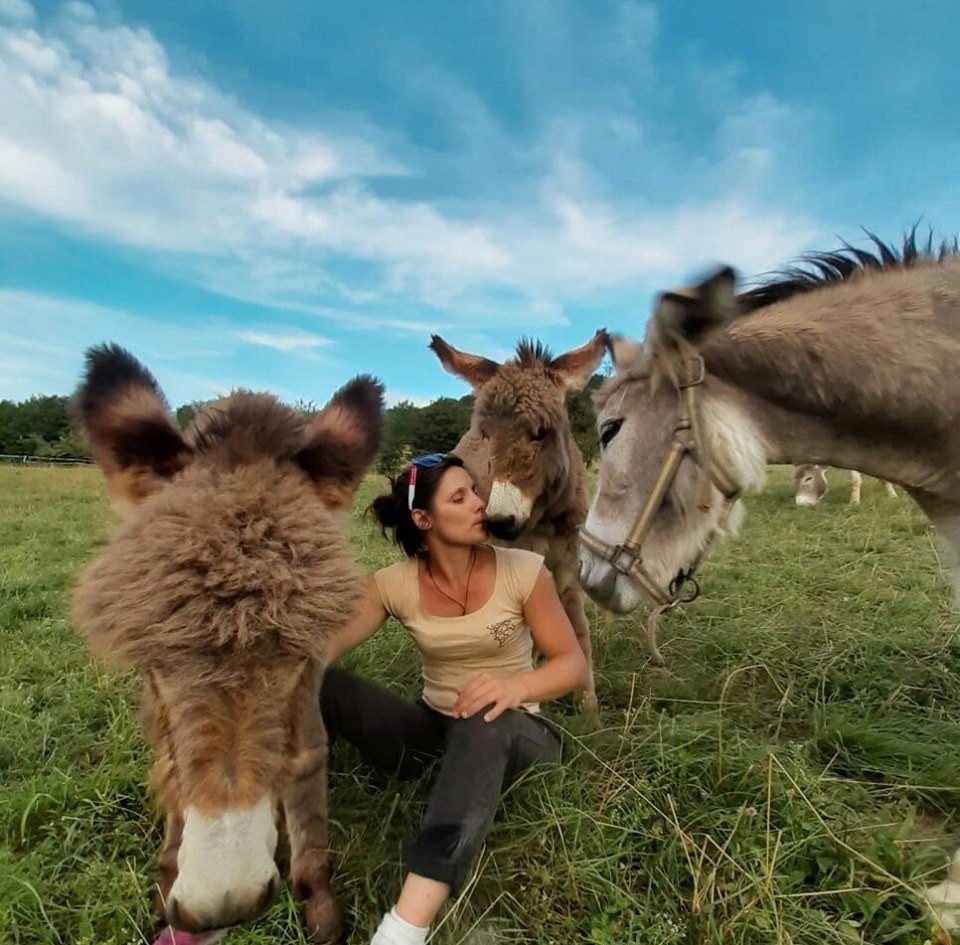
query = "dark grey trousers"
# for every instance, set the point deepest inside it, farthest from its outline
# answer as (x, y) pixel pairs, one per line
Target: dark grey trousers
(478, 760)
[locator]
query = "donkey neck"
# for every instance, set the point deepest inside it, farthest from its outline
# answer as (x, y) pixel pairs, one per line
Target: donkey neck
(564, 498)
(834, 378)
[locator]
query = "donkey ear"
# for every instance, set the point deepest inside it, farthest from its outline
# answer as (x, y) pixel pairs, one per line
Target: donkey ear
(343, 440)
(575, 368)
(473, 369)
(120, 409)
(624, 353)
(689, 315)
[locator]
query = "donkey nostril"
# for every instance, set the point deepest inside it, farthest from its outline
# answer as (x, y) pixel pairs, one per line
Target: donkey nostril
(180, 919)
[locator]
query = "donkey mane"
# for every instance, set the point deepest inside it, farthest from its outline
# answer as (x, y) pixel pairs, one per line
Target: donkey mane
(829, 267)
(267, 427)
(530, 352)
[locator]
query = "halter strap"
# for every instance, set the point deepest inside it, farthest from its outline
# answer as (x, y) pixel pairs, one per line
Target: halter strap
(688, 437)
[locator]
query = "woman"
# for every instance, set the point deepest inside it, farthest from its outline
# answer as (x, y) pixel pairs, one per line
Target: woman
(475, 613)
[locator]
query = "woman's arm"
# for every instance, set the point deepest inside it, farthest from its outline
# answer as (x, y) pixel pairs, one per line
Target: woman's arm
(565, 668)
(365, 624)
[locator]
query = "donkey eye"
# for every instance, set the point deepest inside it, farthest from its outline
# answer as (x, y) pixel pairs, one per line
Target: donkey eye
(609, 429)
(539, 435)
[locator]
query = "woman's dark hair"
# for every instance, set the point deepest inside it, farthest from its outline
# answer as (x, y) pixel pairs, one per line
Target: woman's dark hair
(391, 509)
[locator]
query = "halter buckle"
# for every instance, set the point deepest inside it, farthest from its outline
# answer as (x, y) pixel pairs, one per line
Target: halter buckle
(693, 373)
(624, 549)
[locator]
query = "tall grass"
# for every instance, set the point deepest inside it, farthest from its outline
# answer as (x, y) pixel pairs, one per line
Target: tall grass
(792, 777)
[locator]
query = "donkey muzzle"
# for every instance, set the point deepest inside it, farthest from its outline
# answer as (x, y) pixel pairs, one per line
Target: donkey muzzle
(226, 872)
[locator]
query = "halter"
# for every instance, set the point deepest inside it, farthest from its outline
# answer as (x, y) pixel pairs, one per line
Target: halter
(626, 557)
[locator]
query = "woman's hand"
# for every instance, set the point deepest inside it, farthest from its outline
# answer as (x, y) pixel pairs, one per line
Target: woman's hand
(508, 693)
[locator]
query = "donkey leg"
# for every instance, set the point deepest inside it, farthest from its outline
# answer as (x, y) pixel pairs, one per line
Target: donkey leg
(945, 516)
(856, 484)
(571, 596)
(949, 528)
(164, 787)
(305, 812)
(167, 862)
(891, 490)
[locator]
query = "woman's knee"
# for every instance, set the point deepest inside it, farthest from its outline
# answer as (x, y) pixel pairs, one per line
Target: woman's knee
(489, 735)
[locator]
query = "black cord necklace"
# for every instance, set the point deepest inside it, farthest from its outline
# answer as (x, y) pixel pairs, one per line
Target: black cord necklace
(463, 605)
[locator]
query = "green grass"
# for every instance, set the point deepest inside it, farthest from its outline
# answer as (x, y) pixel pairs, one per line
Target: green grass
(792, 777)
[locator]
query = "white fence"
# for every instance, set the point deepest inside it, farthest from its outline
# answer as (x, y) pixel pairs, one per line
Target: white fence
(13, 459)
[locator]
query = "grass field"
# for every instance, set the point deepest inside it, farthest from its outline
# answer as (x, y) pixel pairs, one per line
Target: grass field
(793, 778)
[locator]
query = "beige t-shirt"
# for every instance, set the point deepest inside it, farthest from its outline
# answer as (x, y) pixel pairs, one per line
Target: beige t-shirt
(494, 639)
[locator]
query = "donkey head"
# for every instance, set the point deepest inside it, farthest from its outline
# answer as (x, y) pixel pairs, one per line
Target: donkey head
(519, 447)
(809, 483)
(219, 588)
(637, 412)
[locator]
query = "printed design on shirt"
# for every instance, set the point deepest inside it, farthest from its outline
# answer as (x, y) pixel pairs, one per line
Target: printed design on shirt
(502, 631)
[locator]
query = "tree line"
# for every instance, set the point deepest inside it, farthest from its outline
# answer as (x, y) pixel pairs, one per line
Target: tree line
(41, 426)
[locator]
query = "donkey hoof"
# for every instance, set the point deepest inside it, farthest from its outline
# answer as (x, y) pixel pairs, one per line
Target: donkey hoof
(587, 703)
(324, 924)
(589, 709)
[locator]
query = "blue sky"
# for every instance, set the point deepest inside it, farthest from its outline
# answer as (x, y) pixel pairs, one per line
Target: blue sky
(279, 196)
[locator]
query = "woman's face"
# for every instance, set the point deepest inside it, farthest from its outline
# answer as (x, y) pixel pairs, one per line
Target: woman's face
(457, 510)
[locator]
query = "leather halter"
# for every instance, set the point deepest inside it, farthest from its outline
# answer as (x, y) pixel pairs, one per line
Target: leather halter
(627, 557)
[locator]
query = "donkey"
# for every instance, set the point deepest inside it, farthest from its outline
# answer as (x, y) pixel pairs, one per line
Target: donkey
(219, 587)
(526, 463)
(849, 363)
(810, 485)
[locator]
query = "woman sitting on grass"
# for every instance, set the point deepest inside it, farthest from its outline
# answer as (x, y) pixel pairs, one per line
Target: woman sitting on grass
(476, 613)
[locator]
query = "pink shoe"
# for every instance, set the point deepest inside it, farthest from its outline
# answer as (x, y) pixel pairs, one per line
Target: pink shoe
(170, 936)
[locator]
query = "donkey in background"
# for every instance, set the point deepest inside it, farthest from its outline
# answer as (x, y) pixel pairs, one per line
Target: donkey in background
(219, 587)
(810, 485)
(526, 463)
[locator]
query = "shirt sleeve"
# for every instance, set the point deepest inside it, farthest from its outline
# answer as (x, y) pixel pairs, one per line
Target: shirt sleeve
(524, 569)
(393, 586)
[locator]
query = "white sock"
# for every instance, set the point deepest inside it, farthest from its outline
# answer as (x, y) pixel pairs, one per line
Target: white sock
(396, 931)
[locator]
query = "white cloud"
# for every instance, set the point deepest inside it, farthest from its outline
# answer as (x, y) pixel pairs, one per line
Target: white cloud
(17, 10)
(97, 131)
(44, 338)
(290, 342)
(392, 398)
(101, 133)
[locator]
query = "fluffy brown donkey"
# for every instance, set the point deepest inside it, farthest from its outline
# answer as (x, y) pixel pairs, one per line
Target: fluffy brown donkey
(220, 586)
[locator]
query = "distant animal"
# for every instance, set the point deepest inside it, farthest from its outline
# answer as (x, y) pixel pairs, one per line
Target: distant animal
(810, 485)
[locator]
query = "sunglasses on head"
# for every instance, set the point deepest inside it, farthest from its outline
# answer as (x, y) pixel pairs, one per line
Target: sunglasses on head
(421, 462)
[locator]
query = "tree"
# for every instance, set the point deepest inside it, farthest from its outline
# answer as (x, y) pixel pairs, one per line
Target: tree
(67, 446)
(440, 425)
(306, 408)
(410, 430)
(583, 419)
(33, 424)
(186, 413)
(399, 423)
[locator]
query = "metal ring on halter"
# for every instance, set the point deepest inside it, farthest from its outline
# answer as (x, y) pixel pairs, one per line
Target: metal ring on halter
(678, 584)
